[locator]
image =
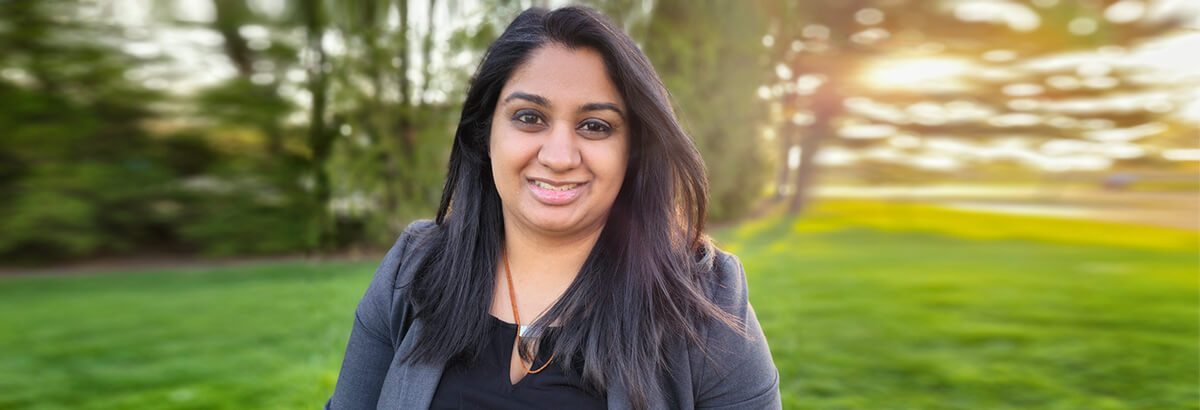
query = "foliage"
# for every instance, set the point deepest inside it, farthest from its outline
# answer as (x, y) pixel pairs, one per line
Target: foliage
(78, 172)
(262, 161)
(708, 57)
(326, 124)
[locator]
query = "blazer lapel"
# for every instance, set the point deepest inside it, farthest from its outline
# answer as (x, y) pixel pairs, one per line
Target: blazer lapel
(409, 385)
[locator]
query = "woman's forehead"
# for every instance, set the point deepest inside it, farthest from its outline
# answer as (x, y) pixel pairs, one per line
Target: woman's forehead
(564, 77)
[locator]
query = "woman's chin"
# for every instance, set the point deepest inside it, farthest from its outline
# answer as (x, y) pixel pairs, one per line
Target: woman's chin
(559, 223)
(556, 225)
(560, 220)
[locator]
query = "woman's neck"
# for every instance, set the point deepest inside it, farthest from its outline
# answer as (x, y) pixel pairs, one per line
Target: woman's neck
(544, 266)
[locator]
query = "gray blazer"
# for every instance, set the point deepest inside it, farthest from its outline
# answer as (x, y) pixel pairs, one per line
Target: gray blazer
(740, 374)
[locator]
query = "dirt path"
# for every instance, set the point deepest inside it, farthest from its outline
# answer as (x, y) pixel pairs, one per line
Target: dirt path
(144, 263)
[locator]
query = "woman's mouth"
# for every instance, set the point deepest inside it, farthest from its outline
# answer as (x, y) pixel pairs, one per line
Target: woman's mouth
(552, 193)
(544, 185)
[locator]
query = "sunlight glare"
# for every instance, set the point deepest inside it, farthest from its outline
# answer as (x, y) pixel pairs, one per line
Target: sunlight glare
(915, 73)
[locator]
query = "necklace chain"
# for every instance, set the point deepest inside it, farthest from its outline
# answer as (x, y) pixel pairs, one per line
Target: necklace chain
(512, 299)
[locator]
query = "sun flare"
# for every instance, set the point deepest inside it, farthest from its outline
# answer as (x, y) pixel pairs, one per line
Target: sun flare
(909, 73)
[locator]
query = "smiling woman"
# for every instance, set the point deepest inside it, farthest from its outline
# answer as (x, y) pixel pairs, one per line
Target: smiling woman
(568, 264)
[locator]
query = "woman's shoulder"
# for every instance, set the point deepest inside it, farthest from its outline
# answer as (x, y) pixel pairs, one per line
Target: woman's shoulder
(402, 260)
(734, 368)
(727, 286)
(727, 289)
(412, 244)
(417, 230)
(414, 236)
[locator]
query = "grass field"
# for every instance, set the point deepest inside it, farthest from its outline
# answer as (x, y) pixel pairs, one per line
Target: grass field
(875, 306)
(865, 305)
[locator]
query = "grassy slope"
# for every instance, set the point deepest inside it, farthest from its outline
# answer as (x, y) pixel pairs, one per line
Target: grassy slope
(865, 306)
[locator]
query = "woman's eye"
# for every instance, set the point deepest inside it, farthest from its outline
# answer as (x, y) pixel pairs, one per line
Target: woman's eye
(529, 118)
(595, 127)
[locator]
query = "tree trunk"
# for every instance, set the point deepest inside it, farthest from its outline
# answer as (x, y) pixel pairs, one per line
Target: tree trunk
(785, 136)
(426, 50)
(403, 127)
(827, 106)
(320, 136)
(229, 18)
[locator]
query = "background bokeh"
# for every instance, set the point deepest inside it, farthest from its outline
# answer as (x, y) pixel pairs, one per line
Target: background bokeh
(955, 204)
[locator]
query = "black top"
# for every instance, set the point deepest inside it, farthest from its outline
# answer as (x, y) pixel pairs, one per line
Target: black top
(485, 383)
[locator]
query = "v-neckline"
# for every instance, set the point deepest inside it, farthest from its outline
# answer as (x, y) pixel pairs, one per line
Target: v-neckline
(507, 367)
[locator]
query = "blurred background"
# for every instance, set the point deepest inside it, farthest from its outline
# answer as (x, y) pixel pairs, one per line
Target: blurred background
(955, 204)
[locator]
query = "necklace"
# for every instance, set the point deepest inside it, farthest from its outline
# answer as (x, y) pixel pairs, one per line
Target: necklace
(512, 299)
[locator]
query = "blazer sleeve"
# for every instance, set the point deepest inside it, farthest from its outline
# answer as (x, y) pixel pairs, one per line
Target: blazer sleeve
(737, 371)
(371, 346)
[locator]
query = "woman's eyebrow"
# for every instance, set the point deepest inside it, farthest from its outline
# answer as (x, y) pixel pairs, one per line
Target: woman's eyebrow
(542, 101)
(602, 106)
(533, 98)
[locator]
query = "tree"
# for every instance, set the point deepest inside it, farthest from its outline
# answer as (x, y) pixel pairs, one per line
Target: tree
(360, 150)
(321, 133)
(397, 87)
(78, 173)
(708, 55)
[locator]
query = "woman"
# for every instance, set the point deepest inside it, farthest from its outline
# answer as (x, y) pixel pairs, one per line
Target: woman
(568, 264)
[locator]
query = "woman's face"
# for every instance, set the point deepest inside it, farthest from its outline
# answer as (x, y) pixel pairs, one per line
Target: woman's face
(559, 142)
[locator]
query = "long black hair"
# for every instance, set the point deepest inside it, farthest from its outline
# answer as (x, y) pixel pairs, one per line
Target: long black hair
(642, 288)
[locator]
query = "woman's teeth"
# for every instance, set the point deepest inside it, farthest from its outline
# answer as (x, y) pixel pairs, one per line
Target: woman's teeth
(544, 185)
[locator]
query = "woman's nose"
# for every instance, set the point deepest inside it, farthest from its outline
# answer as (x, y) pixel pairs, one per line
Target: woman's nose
(560, 150)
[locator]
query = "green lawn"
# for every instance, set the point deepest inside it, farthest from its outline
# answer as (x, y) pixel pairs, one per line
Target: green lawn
(874, 306)
(268, 336)
(865, 305)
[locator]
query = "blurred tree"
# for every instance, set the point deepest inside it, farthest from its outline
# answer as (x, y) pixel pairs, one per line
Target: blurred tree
(361, 149)
(255, 196)
(822, 50)
(708, 54)
(78, 174)
(321, 132)
(396, 81)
